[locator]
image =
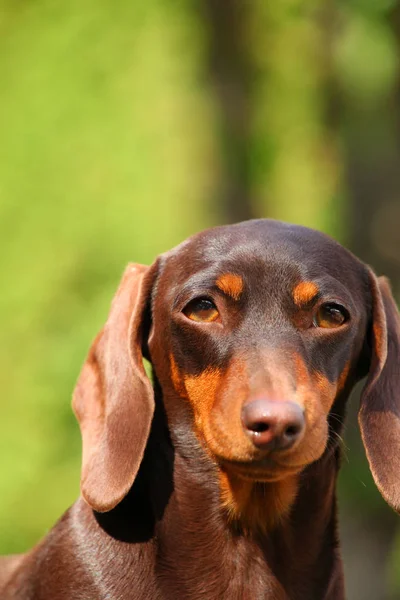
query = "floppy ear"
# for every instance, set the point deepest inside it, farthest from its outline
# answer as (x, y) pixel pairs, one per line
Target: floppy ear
(113, 399)
(379, 415)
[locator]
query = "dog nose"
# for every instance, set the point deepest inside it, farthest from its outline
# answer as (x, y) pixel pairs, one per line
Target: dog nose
(273, 424)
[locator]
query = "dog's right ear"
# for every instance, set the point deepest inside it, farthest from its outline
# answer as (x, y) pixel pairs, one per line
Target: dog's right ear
(379, 414)
(113, 399)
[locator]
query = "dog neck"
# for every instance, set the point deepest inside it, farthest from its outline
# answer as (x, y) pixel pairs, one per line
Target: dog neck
(297, 551)
(176, 510)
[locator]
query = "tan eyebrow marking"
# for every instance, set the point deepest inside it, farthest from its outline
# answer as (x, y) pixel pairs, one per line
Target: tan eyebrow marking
(304, 292)
(230, 284)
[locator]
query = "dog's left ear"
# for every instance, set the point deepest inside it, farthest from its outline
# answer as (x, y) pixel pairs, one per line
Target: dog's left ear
(379, 415)
(114, 399)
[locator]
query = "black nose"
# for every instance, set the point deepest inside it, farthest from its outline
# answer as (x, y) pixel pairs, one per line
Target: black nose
(273, 424)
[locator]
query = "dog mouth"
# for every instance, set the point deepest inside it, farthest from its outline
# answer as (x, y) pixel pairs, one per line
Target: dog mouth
(264, 470)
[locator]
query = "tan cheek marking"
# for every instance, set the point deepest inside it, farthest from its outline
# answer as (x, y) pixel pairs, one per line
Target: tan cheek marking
(201, 390)
(306, 389)
(327, 390)
(343, 376)
(176, 377)
(302, 374)
(304, 292)
(316, 394)
(230, 284)
(315, 391)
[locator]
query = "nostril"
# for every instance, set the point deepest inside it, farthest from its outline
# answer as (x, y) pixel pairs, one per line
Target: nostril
(259, 427)
(292, 431)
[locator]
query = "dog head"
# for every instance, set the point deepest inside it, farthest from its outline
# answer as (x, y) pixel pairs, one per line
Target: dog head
(256, 333)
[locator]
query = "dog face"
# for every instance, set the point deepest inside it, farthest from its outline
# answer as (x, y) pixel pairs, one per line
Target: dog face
(257, 318)
(256, 332)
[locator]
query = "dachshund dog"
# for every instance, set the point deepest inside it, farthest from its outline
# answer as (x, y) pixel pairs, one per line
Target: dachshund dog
(216, 480)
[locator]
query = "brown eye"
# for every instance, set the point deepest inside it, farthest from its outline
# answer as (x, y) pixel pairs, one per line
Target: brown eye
(330, 316)
(201, 309)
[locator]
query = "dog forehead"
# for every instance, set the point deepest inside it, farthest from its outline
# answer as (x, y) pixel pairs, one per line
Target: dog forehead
(264, 247)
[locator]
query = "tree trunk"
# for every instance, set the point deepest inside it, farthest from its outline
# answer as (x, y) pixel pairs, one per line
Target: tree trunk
(230, 73)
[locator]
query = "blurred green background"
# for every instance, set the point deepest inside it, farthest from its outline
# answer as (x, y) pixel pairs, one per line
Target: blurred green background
(127, 126)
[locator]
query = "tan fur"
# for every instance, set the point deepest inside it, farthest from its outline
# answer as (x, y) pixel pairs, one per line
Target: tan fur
(257, 505)
(200, 391)
(343, 377)
(176, 376)
(252, 501)
(231, 284)
(305, 292)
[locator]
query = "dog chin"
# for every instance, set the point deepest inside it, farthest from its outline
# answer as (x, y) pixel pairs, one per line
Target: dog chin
(259, 472)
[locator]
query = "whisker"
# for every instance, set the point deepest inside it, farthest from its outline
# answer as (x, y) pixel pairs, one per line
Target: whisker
(342, 444)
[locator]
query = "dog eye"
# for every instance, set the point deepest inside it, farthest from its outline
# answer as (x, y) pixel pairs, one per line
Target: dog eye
(201, 309)
(330, 316)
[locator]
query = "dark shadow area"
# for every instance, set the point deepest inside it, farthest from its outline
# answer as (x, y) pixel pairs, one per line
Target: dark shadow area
(134, 519)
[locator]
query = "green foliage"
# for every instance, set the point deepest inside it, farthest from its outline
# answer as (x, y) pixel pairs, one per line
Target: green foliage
(367, 59)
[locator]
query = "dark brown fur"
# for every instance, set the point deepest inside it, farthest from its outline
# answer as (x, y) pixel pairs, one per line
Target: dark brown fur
(176, 501)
